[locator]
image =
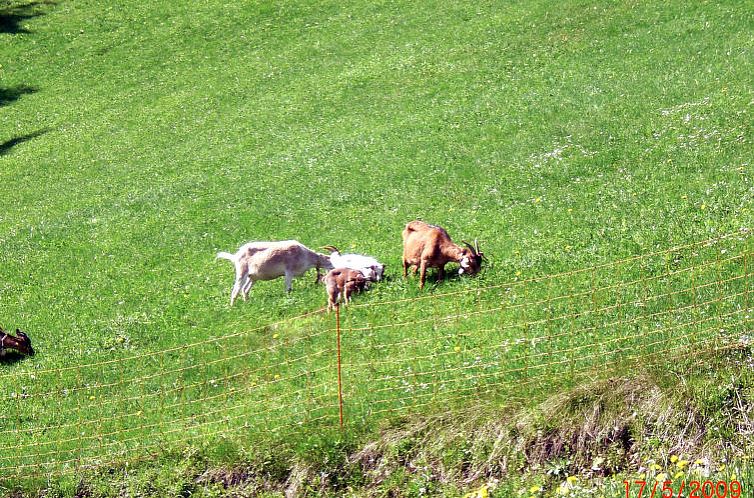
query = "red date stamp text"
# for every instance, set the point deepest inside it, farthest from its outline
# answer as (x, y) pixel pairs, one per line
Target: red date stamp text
(683, 489)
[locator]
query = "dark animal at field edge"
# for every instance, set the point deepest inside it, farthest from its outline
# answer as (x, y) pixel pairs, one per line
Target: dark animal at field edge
(20, 342)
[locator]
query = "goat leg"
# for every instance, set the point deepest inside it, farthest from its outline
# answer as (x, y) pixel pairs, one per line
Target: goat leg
(423, 273)
(246, 287)
(234, 292)
(441, 273)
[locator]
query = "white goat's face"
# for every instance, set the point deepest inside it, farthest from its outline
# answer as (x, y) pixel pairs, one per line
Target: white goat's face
(464, 265)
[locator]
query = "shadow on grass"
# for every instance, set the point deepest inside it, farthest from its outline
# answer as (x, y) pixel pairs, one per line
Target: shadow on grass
(451, 275)
(13, 14)
(6, 146)
(10, 95)
(11, 357)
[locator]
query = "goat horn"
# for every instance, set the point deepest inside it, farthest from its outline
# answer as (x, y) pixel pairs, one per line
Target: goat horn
(332, 249)
(476, 245)
(471, 248)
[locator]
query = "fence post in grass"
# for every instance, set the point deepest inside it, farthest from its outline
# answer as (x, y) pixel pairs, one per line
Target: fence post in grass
(340, 379)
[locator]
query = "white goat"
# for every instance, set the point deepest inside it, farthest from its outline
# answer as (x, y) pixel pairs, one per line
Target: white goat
(370, 267)
(270, 260)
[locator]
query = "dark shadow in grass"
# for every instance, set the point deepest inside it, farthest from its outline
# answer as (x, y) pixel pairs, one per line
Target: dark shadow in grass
(10, 95)
(12, 15)
(431, 278)
(451, 275)
(6, 146)
(11, 357)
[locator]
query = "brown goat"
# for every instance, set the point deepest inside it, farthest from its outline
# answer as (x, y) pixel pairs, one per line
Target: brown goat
(341, 283)
(21, 343)
(428, 246)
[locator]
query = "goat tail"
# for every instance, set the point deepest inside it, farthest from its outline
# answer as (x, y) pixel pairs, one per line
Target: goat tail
(225, 255)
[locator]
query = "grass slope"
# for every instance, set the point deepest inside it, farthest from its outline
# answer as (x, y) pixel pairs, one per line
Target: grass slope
(138, 139)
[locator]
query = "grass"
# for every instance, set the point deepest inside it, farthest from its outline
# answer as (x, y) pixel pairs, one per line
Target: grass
(137, 140)
(593, 434)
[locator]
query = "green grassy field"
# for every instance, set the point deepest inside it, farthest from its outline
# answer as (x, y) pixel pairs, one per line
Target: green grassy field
(138, 139)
